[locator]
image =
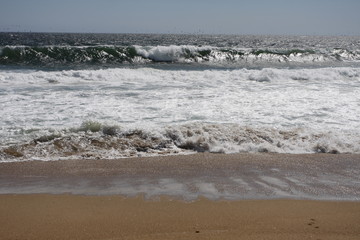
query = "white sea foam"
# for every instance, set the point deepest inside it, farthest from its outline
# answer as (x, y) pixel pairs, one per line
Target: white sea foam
(190, 53)
(168, 53)
(279, 110)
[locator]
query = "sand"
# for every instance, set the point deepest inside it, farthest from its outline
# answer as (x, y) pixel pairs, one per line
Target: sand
(113, 217)
(248, 196)
(214, 176)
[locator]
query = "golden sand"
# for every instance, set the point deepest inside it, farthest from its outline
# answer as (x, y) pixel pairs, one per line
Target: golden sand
(113, 217)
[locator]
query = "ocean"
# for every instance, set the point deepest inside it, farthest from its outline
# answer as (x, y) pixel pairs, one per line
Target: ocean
(90, 96)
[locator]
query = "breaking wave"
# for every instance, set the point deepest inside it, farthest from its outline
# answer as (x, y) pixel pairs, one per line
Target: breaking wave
(48, 56)
(95, 140)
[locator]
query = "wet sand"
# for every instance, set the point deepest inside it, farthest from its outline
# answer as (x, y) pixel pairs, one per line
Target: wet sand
(113, 217)
(214, 176)
(201, 196)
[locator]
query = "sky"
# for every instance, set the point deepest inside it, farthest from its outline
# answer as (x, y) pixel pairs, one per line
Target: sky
(278, 17)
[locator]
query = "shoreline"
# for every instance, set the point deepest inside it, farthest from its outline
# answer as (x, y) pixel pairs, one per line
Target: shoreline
(45, 216)
(200, 196)
(188, 177)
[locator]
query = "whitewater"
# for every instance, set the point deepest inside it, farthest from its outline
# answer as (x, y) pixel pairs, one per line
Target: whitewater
(111, 96)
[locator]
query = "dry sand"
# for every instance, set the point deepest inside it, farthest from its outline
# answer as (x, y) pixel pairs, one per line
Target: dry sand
(113, 217)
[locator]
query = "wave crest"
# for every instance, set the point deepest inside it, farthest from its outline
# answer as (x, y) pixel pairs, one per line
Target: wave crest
(52, 55)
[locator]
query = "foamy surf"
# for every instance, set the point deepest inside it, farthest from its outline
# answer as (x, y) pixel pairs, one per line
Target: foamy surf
(93, 140)
(146, 111)
(66, 96)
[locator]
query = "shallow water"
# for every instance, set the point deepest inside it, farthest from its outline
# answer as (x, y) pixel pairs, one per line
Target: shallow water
(214, 176)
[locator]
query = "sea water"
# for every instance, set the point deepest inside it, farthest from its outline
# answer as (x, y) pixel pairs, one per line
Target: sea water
(71, 96)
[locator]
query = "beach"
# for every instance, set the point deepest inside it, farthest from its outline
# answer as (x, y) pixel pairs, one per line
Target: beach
(188, 177)
(85, 199)
(114, 217)
(172, 136)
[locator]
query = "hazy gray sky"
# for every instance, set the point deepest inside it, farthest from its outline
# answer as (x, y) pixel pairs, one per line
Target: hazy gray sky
(321, 17)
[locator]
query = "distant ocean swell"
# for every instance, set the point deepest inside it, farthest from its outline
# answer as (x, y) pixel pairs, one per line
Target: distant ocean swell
(69, 55)
(95, 140)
